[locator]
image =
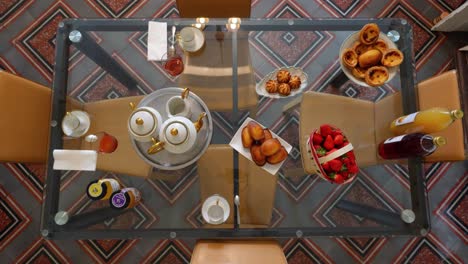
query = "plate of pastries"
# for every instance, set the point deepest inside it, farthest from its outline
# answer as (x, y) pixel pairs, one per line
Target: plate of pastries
(260, 145)
(369, 58)
(282, 82)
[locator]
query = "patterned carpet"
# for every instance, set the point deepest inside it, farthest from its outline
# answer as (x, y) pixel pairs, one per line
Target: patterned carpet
(27, 29)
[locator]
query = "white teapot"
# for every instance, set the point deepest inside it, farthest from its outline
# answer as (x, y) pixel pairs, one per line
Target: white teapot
(144, 123)
(177, 135)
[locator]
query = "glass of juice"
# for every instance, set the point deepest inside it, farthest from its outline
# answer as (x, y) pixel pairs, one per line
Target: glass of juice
(102, 142)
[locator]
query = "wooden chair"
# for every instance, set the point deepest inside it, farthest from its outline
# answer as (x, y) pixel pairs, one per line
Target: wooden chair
(238, 251)
(213, 8)
(25, 109)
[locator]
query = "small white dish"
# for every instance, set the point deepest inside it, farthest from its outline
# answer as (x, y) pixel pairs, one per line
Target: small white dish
(260, 87)
(215, 202)
(349, 42)
(236, 143)
(194, 44)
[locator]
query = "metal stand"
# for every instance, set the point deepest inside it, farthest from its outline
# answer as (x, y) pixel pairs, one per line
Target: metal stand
(377, 215)
(235, 117)
(91, 218)
(96, 53)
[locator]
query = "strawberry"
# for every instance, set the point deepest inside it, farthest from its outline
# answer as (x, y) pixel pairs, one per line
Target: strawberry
(325, 130)
(344, 168)
(328, 144)
(317, 139)
(345, 174)
(331, 175)
(353, 168)
(336, 132)
(326, 166)
(338, 178)
(338, 140)
(335, 165)
(351, 155)
(331, 150)
(346, 160)
(320, 151)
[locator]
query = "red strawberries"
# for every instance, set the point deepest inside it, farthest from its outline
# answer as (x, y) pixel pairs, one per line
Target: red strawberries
(326, 141)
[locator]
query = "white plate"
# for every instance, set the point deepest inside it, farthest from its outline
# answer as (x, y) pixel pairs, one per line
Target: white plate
(236, 143)
(349, 42)
(260, 87)
(212, 200)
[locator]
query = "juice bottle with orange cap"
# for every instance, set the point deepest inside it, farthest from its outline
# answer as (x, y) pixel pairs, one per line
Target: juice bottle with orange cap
(426, 121)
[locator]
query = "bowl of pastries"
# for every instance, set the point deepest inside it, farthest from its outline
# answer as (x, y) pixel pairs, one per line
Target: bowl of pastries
(282, 82)
(260, 145)
(369, 58)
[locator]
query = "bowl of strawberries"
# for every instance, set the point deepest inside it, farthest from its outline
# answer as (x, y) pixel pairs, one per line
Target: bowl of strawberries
(332, 155)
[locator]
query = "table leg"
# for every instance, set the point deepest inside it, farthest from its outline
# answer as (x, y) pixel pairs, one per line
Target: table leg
(377, 215)
(96, 53)
(97, 216)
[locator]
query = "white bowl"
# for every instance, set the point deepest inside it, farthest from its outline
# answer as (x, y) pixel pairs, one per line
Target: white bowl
(260, 87)
(349, 42)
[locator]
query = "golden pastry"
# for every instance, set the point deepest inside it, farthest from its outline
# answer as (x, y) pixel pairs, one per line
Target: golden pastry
(295, 82)
(247, 140)
(284, 89)
(349, 58)
(369, 34)
(392, 58)
(257, 155)
(380, 45)
(283, 76)
(271, 86)
(376, 76)
(360, 48)
(270, 146)
(278, 156)
(255, 130)
(268, 135)
(359, 72)
(370, 58)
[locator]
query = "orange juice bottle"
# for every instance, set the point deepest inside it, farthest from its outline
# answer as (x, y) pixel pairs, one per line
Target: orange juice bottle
(427, 121)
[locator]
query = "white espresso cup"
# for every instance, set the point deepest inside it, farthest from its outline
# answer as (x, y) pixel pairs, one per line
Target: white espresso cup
(215, 213)
(179, 105)
(187, 37)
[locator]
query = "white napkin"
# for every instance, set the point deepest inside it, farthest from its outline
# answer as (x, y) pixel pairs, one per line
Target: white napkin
(157, 41)
(66, 159)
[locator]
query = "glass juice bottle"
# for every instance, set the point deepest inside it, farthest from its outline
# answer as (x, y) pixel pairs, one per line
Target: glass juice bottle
(427, 121)
(102, 189)
(410, 145)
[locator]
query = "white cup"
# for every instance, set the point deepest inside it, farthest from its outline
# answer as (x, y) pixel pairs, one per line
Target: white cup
(215, 213)
(187, 37)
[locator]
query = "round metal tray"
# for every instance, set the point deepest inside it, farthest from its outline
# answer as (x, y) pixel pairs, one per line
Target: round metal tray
(165, 160)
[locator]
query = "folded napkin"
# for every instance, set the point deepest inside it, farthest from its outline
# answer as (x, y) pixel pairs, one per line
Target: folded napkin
(157, 41)
(65, 159)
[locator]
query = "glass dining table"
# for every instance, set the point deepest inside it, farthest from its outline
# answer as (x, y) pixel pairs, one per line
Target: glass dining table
(104, 61)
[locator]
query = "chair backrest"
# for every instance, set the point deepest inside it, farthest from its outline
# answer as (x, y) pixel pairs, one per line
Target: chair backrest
(213, 8)
(238, 251)
(24, 119)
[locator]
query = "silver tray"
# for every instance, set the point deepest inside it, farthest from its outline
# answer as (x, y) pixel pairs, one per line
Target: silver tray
(165, 160)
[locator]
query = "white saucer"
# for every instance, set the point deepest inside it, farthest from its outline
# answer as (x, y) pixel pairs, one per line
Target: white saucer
(212, 200)
(199, 39)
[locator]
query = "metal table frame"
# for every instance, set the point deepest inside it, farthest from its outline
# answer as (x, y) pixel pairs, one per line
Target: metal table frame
(75, 31)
